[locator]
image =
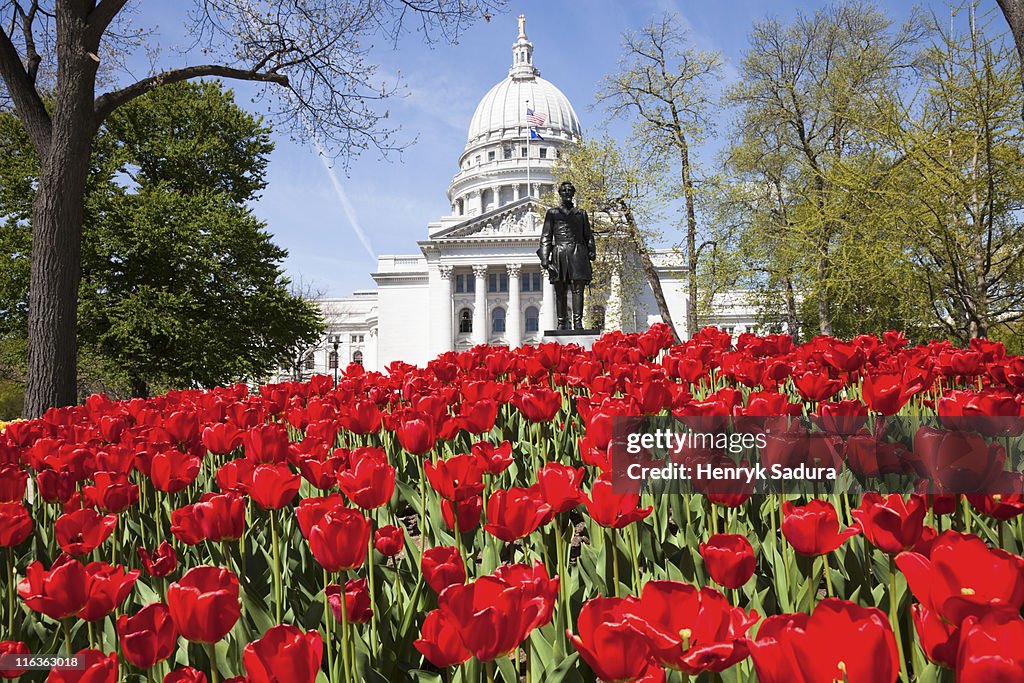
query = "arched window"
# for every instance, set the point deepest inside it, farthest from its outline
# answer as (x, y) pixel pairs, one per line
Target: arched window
(357, 357)
(532, 319)
(498, 320)
(308, 363)
(465, 321)
(332, 360)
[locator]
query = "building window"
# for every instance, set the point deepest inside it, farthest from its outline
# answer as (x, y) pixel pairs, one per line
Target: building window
(465, 321)
(357, 357)
(532, 319)
(497, 282)
(465, 283)
(530, 282)
(356, 338)
(332, 360)
(477, 159)
(490, 156)
(558, 154)
(543, 152)
(524, 151)
(508, 152)
(498, 320)
(308, 362)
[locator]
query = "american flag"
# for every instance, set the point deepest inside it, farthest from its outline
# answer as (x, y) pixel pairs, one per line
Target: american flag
(535, 118)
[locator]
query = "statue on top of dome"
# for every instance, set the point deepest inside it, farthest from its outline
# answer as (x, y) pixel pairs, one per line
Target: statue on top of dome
(566, 250)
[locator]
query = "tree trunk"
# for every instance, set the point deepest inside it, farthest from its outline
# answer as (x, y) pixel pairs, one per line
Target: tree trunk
(57, 224)
(792, 318)
(649, 270)
(824, 307)
(1013, 10)
(691, 241)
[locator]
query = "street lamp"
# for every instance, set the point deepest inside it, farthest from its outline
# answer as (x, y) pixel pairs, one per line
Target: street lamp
(335, 340)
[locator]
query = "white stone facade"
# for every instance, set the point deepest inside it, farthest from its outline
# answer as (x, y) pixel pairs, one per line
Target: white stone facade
(477, 278)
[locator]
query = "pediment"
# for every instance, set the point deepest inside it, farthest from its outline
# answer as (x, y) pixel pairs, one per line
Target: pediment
(512, 220)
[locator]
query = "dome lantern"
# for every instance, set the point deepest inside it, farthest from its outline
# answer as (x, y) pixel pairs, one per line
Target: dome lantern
(522, 55)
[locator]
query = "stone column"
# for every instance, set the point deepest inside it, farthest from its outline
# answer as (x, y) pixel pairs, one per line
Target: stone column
(613, 309)
(514, 317)
(547, 307)
(441, 330)
(480, 305)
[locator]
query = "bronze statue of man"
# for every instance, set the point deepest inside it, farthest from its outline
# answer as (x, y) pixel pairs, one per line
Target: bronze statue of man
(566, 250)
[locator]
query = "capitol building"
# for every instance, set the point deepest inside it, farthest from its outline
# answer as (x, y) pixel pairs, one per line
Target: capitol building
(476, 278)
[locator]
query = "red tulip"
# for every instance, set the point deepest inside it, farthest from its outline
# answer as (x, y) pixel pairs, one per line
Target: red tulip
(109, 586)
(494, 459)
(171, 471)
(729, 559)
(273, 486)
(111, 492)
(514, 514)
(58, 487)
(456, 478)
(613, 510)
(204, 603)
(691, 629)
(816, 386)
(964, 577)
(235, 474)
(885, 393)
(339, 541)
(415, 431)
(162, 562)
(959, 462)
(439, 641)
(369, 481)
(358, 609)
(147, 637)
(12, 647)
(97, 667)
(559, 486)
(839, 641)
(493, 618)
(389, 540)
(284, 648)
(939, 639)
(991, 649)
(891, 524)
(311, 510)
(442, 566)
(221, 517)
(222, 438)
(185, 674)
(477, 417)
(814, 528)
(537, 403)
(82, 531)
(13, 482)
(15, 524)
(609, 640)
(469, 511)
(59, 592)
(266, 443)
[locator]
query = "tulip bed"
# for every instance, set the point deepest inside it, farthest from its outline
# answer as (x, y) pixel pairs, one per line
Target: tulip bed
(306, 532)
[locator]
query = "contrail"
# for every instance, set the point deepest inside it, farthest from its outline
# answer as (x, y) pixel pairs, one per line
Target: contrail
(346, 205)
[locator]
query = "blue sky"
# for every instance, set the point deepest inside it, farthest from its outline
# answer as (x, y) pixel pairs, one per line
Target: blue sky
(576, 43)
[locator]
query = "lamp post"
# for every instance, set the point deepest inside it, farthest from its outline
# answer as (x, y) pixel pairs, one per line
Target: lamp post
(335, 341)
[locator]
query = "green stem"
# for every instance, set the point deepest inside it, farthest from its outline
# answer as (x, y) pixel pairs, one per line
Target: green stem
(214, 671)
(328, 642)
(828, 575)
(9, 554)
(277, 565)
(373, 598)
(490, 671)
(66, 623)
(615, 562)
(894, 617)
(344, 632)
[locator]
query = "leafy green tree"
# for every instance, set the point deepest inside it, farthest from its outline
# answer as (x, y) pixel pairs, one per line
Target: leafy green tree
(811, 93)
(956, 188)
(181, 285)
(664, 87)
(310, 56)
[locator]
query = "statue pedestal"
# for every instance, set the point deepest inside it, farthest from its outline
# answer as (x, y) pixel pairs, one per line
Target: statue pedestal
(584, 338)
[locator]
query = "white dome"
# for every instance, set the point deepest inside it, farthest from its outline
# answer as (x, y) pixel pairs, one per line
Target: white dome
(504, 107)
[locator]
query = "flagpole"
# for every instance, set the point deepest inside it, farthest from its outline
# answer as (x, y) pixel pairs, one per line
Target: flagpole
(529, 188)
